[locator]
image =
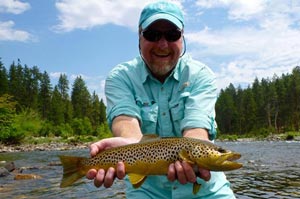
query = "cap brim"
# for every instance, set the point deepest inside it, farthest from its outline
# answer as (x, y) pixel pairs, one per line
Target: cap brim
(162, 16)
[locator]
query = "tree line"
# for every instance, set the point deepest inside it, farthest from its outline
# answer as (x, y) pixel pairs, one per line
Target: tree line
(267, 106)
(31, 106)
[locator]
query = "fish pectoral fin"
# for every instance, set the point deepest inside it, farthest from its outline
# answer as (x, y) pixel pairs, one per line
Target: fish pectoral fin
(185, 156)
(136, 179)
(196, 187)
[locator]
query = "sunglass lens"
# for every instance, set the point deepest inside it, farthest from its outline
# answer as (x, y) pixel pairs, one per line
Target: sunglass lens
(153, 35)
(172, 35)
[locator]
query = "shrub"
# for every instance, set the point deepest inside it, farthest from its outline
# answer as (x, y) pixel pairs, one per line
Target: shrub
(81, 126)
(103, 131)
(28, 122)
(10, 135)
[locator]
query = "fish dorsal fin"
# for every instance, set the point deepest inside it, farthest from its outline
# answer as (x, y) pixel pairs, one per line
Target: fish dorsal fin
(136, 179)
(149, 137)
(183, 154)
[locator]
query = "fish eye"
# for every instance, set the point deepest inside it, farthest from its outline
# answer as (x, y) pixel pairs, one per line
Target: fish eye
(221, 150)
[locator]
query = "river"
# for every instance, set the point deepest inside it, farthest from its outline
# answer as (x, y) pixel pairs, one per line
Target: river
(271, 170)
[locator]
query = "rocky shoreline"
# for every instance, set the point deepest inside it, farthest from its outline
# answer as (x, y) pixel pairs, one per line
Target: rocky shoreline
(42, 147)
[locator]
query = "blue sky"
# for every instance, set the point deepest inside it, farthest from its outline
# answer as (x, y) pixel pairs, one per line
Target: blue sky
(238, 39)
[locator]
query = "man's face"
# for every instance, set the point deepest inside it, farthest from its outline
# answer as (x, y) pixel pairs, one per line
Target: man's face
(161, 56)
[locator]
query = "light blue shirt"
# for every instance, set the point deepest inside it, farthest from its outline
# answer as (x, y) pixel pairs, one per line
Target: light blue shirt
(185, 100)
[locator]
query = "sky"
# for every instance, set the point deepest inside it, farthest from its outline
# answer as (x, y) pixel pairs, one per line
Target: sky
(240, 40)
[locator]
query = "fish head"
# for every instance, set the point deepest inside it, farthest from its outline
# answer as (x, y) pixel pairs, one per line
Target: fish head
(215, 158)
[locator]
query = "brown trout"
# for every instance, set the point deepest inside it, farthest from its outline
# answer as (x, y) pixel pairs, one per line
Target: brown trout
(152, 156)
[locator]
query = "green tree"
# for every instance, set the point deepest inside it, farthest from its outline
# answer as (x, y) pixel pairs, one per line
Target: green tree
(16, 83)
(294, 93)
(31, 77)
(259, 99)
(63, 88)
(248, 111)
(226, 112)
(102, 112)
(45, 92)
(95, 115)
(81, 99)
(3, 79)
(9, 134)
(57, 108)
(283, 107)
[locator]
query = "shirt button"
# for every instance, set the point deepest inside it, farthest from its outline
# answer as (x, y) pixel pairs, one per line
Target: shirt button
(164, 113)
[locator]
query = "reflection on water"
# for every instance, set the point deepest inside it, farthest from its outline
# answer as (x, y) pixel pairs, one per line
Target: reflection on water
(271, 170)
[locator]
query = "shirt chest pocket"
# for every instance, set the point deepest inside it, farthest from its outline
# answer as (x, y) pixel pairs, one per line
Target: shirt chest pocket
(177, 113)
(149, 114)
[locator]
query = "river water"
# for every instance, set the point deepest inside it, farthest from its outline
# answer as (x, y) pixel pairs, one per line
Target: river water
(271, 170)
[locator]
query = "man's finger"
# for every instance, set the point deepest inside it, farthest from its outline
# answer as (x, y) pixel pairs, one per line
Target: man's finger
(204, 174)
(120, 170)
(171, 173)
(180, 173)
(98, 181)
(109, 177)
(189, 172)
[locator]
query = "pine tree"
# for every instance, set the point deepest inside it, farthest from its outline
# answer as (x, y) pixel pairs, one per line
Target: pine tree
(57, 108)
(102, 112)
(16, 83)
(95, 116)
(3, 79)
(31, 77)
(81, 99)
(45, 92)
(63, 88)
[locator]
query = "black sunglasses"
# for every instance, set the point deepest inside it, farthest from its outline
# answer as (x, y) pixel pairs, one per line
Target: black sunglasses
(155, 35)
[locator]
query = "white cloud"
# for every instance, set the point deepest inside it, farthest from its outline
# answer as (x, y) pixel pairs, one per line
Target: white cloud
(78, 14)
(269, 45)
(8, 33)
(56, 75)
(13, 6)
(237, 9)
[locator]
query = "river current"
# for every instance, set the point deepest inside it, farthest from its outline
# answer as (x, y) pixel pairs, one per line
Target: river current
(271, 170)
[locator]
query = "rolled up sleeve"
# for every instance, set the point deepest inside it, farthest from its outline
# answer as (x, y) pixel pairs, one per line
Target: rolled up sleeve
(119, 96)
(200, 104)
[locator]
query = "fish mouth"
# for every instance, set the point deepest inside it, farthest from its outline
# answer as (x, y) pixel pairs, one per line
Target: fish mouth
(233, 156)
(227, 161)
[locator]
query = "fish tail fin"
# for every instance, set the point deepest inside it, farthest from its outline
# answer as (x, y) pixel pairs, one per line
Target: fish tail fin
(73, 169)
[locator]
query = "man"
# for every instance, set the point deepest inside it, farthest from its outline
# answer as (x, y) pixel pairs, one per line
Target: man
(165, 92)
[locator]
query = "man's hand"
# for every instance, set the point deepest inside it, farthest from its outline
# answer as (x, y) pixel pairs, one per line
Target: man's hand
(184, 173)
(107, 178)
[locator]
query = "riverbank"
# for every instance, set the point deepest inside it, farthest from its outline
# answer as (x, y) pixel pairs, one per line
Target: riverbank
(42, 147)
(49, 144)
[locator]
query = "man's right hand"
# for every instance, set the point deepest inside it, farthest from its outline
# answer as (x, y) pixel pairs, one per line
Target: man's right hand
(102, 177)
